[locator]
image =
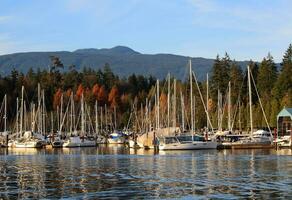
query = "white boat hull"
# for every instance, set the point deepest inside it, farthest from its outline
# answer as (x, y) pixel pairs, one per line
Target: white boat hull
(29, 144)
(189, 146)
(116, 140)
(77, 142)
(87, 143)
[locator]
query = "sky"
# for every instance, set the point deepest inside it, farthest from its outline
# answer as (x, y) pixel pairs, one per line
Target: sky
(245, 29)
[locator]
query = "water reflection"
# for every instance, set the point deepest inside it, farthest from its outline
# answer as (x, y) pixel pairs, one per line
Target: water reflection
(116, 171)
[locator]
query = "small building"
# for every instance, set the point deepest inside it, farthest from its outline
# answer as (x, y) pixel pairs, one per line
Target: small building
(284, 122)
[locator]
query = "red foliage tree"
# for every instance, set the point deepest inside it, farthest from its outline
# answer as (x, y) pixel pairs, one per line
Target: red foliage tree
(95, 90)
(113, 97)
(102, 95)
(79, 92)
(57, 98)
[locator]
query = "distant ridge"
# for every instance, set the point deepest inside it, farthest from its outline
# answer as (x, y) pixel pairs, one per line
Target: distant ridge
(123, 61)
(115, 51)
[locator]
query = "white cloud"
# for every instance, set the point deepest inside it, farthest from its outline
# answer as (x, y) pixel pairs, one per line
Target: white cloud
(4, 19)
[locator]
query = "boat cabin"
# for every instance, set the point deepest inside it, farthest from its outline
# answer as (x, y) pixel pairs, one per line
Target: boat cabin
(284, 122)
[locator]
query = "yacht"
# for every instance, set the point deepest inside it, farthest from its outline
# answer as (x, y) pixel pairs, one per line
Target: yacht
(258, 139)
(55, 141)
(27, 141)
(186, 142)
(72, 141)
(76, 141)
(284, 142)
(116, 138)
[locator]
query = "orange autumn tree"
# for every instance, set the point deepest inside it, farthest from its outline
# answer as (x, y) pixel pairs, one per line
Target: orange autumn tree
(79, 92)
(163, 102)
(113, 97)
(102, 96)
(57, 98)
(95, 90)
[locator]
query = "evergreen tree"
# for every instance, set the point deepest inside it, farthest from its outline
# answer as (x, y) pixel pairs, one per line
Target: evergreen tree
(267, 76)
(236, 78)
(220, 75)
(284, 83)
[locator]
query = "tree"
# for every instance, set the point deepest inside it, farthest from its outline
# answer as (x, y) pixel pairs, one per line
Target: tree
(95, 90)
(284, 82)
(55, 63)
(79, 92)
(108, 76)
(102, 96)
(220, 75)
(57, 98)
(267, 76)
(113, 97)
(236, 78)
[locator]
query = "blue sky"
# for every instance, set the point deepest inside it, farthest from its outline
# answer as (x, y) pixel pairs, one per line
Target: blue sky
(246, 29)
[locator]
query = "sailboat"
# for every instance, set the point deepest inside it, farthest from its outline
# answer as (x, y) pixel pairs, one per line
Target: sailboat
(116, 137)
(259, 138)
(100, 139)
(74, 139)
(71, 138)
(187, 141)
(4, 134)
(25, 139)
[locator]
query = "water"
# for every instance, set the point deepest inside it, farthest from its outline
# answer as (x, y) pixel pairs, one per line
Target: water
(116, 171)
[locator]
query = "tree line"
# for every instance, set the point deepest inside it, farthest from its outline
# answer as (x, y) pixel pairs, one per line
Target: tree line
(274, 87)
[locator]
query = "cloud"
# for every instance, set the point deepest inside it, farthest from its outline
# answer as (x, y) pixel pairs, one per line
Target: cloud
(6, 45)
(4, 19)
(265, 20)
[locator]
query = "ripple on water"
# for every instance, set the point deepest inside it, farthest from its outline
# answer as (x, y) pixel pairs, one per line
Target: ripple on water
(113, 172)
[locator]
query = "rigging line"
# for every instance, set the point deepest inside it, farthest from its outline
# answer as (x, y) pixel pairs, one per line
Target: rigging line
(260, 102)
(203, 101)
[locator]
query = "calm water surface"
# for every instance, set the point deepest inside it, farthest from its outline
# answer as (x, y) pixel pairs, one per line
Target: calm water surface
(116, 171)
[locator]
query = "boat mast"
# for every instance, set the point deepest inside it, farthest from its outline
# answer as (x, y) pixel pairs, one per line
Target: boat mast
(157, 99)
(71, 113)
(17, 113)
(218, 110)
(82, 115)
(174, 104)
(52, 123)
(194, 106)
(250, 99)
(105, 116)
(115, 116)
(191, 96)
(21, 110)
(229, 106)
(182, 112)
(61, 114)
(44, 114)
(5, 113)
(33, 118)
(96, 118)
(39, 108)
(202, 100)
(101, 118)
(207, 101)
(168, 103)
(24, 117)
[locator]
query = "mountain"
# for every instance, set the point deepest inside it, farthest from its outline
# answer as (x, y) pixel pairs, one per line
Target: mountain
(123, 61)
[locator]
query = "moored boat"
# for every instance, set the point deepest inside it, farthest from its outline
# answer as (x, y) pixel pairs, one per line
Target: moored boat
(186, 142)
